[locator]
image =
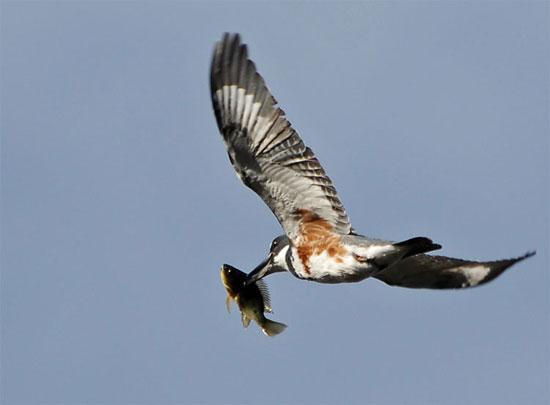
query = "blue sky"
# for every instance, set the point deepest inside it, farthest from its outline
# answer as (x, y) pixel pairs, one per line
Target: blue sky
(119, 203)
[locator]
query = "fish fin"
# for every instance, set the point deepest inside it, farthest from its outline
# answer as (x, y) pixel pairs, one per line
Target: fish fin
(262, 286)
(272, 328)
(228, 301)
(245, 320)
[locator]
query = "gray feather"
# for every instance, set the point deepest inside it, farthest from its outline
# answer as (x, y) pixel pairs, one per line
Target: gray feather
(266, 152)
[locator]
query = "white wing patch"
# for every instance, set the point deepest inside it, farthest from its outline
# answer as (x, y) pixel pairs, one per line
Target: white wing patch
(474, 275)
(248, 103)
(253, 116)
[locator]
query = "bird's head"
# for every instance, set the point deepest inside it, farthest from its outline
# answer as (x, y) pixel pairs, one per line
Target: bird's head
(274, 262)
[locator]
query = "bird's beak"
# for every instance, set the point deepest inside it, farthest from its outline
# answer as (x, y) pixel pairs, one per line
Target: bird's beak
(260, 271)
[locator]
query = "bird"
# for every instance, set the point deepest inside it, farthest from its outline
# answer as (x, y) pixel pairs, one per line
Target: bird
(319, 244)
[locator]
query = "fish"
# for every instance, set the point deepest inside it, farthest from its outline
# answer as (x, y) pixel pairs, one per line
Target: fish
(253, 300)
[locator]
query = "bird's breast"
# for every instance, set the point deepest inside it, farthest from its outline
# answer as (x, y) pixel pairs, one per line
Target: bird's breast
(326, 268)
(320, 254)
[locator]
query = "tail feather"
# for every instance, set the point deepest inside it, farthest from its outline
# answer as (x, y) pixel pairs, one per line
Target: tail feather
(417, 245)
(272, 328)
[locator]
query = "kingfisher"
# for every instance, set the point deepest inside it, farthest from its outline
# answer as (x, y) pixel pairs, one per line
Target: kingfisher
(319, 243)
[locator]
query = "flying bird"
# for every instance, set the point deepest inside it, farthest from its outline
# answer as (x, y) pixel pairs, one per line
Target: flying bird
(319, 243)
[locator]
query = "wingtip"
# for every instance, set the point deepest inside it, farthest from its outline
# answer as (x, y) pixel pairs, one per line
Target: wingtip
(498, 267)
(231, 37)
(526, 255)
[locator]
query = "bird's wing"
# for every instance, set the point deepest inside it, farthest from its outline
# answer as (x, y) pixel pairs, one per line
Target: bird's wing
(426, 271)
(266, 152)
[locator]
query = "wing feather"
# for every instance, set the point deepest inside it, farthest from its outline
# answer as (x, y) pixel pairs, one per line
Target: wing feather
(266, 152)
(440, 272)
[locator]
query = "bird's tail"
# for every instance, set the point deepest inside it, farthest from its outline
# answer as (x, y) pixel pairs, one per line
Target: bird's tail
(417, 245)
(272, 328)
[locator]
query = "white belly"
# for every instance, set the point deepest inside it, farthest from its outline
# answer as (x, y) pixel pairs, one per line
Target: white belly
(324, 268)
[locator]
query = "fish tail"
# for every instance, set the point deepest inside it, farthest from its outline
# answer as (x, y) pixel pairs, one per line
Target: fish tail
(272, 328)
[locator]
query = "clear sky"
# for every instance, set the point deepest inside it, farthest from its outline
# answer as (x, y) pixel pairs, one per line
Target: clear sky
(119, 203)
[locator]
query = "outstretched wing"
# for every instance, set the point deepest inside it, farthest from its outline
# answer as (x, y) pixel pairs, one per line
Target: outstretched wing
(425, 271)
(266, 152)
